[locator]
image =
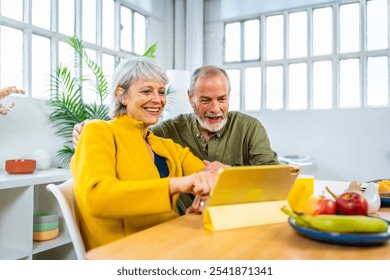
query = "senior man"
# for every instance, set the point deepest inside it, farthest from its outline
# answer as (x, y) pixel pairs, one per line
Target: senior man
(212, 132)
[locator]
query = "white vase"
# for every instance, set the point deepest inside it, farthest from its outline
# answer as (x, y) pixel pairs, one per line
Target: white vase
(42, 158)
(372, 196)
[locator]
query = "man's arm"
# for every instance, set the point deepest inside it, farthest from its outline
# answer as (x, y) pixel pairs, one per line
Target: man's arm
(260, 151)
(77, 131)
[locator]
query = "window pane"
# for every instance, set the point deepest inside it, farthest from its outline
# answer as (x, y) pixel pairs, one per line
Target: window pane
(126, 31)
(274, 88)
(297, 86)
(66, 17)
(377, 24)
(274, 37)
(377, 81)
(139, 33)
(253, 88)
(89, 20)
(66, 56)
(232, 40)
(234, 99)
(322, 31)
(89, 86)
(298, 34)
(322, 85)
(349, 83)
(40, 67)
(108, 24)
(12, 9)
(349, 28)
(108, 69)
(252, 39)
(41, 13)
(11, 57)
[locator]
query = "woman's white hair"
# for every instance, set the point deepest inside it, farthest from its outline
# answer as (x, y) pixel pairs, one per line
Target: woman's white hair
(129, 71)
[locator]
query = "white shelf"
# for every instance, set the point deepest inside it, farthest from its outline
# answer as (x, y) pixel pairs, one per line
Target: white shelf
(20, 196)
(7, 253)
(36, 178)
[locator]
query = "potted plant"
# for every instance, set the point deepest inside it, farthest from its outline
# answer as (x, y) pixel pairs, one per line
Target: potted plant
(66, 102)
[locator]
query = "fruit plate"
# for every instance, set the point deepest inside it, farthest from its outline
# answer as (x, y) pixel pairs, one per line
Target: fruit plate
(350, 239)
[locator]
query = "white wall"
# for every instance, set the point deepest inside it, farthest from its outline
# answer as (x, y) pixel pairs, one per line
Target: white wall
(26, 129)
(345, 144)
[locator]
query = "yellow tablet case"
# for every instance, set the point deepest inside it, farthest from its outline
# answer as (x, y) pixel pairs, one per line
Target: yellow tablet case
(246, 196)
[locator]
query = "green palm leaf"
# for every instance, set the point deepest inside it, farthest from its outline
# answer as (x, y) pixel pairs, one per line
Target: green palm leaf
(101, 86)
(150, 52)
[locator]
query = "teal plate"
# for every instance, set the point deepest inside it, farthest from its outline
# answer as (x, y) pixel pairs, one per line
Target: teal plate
(349, 239)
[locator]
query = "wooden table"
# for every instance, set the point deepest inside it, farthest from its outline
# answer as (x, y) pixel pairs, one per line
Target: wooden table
(185, 238)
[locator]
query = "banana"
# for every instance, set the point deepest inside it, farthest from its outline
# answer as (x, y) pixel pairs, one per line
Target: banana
(340, 223)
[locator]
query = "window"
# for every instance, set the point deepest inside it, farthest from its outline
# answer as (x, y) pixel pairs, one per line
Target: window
(274, 88)
(88, 17)
(297, 86)
(298, 34)
(349, 28)
(40, 67)
(252, 88)
(349, 83)
(274, 37)
(107, 37)
(234, 97)
(316, 58)
(322, 31)
(322, 84)
(11, 67)
(133, 26)
(377, 21)
(249, 33)
(66, 22)
(41, 13)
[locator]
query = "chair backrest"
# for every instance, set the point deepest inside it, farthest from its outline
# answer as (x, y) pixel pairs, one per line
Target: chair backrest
(65, 197)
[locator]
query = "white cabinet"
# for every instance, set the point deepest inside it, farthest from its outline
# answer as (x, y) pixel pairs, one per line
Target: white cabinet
(20, 196)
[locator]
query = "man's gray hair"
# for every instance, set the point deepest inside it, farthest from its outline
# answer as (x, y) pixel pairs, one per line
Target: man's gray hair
(207, 71)
(127, 72)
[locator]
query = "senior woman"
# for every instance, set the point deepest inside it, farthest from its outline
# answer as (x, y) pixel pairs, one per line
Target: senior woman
(126, 178)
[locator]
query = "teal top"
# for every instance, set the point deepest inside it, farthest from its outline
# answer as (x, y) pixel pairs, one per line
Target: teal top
(161, 164)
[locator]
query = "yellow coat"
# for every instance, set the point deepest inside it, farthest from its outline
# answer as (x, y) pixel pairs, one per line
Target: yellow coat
(117, 186)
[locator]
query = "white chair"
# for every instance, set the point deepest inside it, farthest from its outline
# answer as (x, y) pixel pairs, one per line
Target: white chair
(65, 197)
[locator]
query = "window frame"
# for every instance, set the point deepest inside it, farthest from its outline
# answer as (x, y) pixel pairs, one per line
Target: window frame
(28, 30)
(334, 57)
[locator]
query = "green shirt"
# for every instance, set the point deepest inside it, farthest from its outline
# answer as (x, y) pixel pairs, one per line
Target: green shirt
(242, 141)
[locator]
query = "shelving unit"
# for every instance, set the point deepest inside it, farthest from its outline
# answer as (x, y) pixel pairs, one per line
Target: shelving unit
(20, 196)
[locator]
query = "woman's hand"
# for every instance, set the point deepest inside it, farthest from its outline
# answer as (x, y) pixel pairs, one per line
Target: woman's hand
(199, 183)
(198, 204)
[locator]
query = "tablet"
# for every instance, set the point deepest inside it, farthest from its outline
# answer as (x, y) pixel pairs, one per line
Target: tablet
(247, 184)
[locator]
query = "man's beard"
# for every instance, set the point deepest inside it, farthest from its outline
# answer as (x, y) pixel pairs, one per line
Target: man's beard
(211, 128)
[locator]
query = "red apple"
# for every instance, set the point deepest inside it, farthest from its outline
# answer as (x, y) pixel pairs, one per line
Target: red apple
(317, 205)
(352, 203)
